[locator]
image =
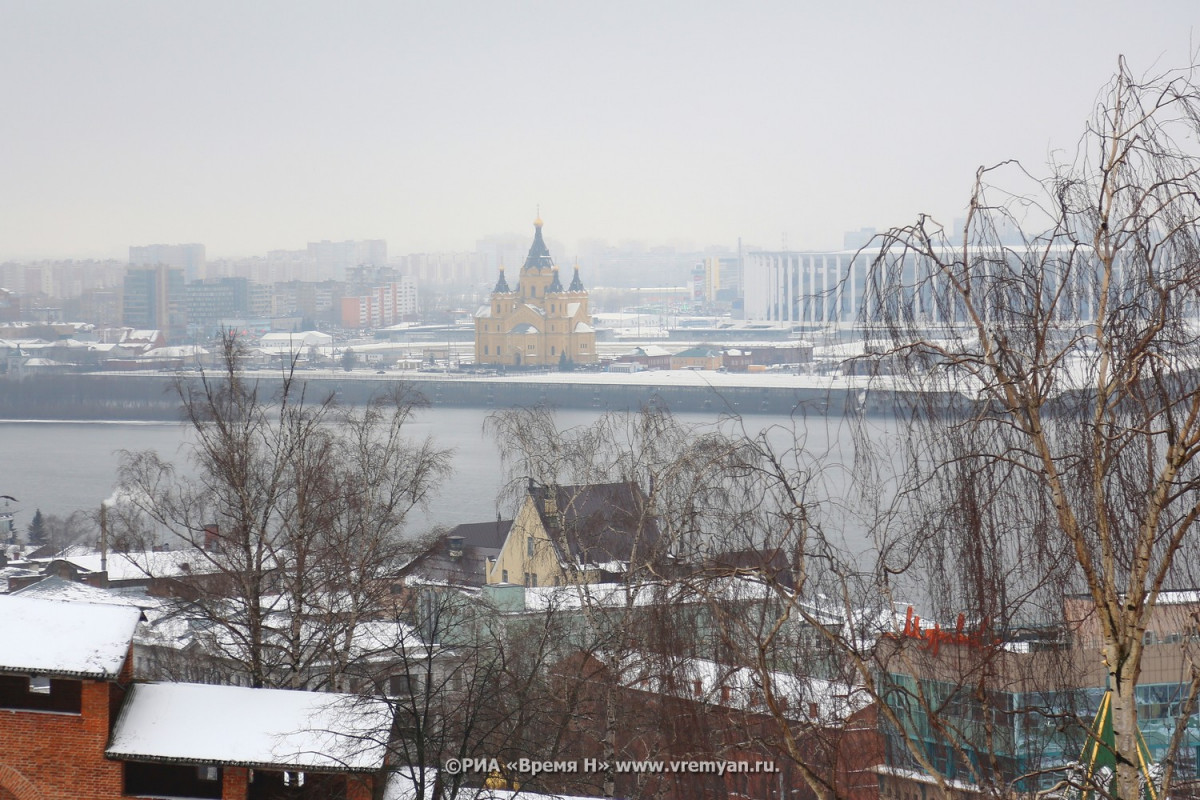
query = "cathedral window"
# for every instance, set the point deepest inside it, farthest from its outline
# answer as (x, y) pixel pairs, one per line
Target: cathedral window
(553, 351)
(485, 350)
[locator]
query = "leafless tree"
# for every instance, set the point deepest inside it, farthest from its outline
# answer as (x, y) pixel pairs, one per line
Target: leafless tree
(295, 510)
(1050, 383)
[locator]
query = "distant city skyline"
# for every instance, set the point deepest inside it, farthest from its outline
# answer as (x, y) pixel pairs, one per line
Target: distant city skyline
(265, 126)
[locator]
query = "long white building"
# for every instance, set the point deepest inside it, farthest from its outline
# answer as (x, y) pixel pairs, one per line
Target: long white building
(833, 288)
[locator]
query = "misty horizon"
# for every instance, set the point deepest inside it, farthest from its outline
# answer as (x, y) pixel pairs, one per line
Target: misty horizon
(258, 128)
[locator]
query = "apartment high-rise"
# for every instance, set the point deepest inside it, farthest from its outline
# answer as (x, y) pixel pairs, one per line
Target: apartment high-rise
(187, 257)
(154, 299)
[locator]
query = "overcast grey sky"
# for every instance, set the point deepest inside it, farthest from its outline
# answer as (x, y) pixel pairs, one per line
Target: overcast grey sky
(263, 125)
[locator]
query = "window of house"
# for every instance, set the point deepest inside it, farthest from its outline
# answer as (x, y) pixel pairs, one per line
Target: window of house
(504, 576)
(527, 579)
(403, 685)
(530, 347)
(583, 345)
(41, 693)
(529, 545)
(171, 780)
(533, 579)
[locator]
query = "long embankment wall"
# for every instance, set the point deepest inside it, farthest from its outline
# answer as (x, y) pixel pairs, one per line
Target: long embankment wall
(107, 396)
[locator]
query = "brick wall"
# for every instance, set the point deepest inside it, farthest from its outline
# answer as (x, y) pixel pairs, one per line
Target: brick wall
(58, 756)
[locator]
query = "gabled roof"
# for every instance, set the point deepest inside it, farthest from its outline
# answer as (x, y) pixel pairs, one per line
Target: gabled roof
(602, 526)
(700, 351)
(143, 565)
(78, 640)
(56, 588)
(711, 682)
(488, 535)
(266, 728)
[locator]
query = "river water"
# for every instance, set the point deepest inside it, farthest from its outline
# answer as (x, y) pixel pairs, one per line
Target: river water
(63, 466)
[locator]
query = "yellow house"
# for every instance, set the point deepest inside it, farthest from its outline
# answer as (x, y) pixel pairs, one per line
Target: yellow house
(578, 534)
(700, 357)
(539, 323)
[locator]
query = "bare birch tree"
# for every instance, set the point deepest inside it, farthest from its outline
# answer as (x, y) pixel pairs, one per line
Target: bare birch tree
(1052, 385)
(294, 508)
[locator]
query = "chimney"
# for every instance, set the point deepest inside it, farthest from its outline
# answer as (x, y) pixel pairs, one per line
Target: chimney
(212, 536)
(103, 538)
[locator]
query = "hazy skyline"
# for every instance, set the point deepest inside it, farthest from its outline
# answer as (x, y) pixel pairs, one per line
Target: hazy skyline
(260, 126)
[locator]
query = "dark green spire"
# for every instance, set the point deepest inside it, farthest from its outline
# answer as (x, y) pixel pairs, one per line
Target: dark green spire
(539, 254)
(502, 284)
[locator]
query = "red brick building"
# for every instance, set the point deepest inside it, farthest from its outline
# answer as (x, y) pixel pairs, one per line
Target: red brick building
(73, 725)
(701, 711)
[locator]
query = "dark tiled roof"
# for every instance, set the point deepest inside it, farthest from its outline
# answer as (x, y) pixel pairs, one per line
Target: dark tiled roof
(486, 535)
(600, 523)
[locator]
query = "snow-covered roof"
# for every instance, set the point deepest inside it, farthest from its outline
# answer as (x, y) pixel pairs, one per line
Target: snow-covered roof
(131, 335)
(293, 341)
(176, 351)
(403, 785)
(482, 312)
(56, 588)
(649, 593)
(134, 566)
(573, 309)
(265, 728)
(583, 327)
(9, 572)
(742, 688)
(650, 350)
(49, 637)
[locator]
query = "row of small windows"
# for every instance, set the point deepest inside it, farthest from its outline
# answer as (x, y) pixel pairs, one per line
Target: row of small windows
(487, 349)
